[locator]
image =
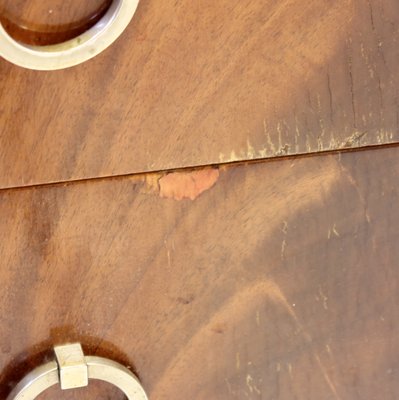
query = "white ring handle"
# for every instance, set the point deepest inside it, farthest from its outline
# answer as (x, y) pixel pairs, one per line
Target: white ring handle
(74, 51)
(72, 370)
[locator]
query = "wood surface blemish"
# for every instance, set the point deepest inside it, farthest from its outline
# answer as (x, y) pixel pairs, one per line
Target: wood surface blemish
(251, 385)
(187, 185)
(229, 316)
(151, 183)
(223, 316)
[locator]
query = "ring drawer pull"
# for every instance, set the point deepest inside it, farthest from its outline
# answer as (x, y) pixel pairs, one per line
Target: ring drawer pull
(74, 51)
(72, 369)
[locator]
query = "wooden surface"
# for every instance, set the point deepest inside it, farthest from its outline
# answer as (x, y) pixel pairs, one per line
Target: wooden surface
(197, 83)
(278, 281)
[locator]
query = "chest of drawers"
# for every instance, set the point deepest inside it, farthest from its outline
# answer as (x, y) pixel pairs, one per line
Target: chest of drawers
(211, 200)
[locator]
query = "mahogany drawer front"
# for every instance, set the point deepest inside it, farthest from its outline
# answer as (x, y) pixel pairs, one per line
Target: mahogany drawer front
(278, 281)
(192, 84)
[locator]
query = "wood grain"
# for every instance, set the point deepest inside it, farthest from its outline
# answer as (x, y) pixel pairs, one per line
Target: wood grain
(278, 282)
(42, 22)
(198, 83)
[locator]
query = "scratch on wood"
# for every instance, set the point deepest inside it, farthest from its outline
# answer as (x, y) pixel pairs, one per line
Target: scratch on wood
(327, 378)
(353, 140)
(324, 298)
(251, 385)
(238, 362)
(285, 227)
(269, 140)
(352, 91)
(330, 97)
(251, 153)
(290, 369)
(333, 231)
(353, 182)
(283, 246)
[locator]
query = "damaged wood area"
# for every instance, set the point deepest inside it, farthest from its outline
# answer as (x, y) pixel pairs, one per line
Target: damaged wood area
(191, 84)
(267, 280)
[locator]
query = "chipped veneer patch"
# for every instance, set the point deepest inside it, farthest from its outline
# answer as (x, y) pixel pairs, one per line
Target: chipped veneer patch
(187, 185)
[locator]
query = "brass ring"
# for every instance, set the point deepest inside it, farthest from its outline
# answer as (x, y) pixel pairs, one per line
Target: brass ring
(74, 51)
(71, 370)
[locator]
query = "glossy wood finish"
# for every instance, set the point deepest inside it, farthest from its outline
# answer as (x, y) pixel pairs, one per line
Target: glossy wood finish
(197, 83)
(279, 281)
(45, 22)
(48, 13)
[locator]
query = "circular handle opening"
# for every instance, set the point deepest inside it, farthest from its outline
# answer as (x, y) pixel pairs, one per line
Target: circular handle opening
(45, 22)
(74, 51)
